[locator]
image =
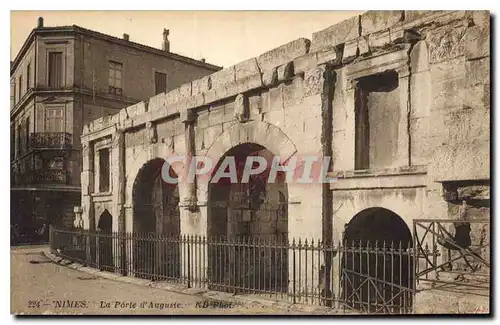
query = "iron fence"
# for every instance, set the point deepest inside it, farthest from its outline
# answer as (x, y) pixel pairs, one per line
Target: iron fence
(373, 277)
(453, 254)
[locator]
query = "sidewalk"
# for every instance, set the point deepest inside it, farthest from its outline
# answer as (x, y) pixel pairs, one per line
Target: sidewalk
(241, 304)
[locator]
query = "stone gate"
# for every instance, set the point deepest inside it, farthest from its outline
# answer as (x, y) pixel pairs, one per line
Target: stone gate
(398, 99)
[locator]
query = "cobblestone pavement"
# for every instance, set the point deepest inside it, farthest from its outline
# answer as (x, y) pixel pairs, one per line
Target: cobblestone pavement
(39, 286)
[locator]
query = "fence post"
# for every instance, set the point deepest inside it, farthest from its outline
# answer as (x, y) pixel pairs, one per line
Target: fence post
(51, 238)
(293, 276)
(189, 261)
(88, 256)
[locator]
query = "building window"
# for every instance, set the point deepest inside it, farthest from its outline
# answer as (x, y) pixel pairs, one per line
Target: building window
(55, 69)
(115, 78)
(20, 86)
(13, 142)
(54, 119)
(104, 175)
(377, 115)
(28, 76)
(12, 92)
(27, 133)
(18, 140)
(160, 83)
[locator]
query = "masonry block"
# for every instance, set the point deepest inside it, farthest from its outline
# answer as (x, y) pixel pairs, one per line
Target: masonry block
(477, 42)
(201, 85)
(283, 54)
(336, 34)
(305, 62)
(222, 77)
(246, 68)
(350, 51)
(249, 82)
(478, 71)
(373, 21)
(172, 96)
(216, 114)
(255, 105)
(314, 81)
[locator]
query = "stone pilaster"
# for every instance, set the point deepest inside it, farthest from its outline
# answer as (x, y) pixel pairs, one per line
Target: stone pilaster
(189, 200)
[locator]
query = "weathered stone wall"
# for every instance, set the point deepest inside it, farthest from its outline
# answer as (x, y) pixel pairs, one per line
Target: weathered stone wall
(442, 61)
(300, 99)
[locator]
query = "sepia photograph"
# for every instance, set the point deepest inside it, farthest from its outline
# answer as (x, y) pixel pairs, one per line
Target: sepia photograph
(332, 163)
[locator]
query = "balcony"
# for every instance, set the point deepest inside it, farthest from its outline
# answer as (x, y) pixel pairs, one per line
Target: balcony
(51, 140)
(41, 167)
(38, 177)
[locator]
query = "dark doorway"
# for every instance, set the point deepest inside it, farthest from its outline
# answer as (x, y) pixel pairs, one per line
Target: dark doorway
(105, 239)
(156, 252)
(254, 216)
(377, 267)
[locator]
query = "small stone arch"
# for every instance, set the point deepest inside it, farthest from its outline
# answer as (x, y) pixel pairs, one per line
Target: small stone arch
(377, 224)
(105, 223)
(377, 260)
(104, 227)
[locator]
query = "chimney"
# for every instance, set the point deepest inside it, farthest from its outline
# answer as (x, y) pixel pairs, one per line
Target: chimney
(126, 37)
(166, 44)
(40, 22)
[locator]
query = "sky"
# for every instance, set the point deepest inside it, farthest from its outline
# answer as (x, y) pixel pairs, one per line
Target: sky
(223, 38)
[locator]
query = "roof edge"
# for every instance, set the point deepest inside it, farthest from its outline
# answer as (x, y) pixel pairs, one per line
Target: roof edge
(89, 32)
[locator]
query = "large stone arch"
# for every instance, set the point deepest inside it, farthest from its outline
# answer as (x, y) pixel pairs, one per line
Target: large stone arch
(155, 211)
(258, 132)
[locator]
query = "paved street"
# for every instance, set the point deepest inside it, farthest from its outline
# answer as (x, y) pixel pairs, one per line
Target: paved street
(39, 286)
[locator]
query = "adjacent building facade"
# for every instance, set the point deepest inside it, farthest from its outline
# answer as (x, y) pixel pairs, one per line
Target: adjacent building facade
(398, 99)
(64, 78)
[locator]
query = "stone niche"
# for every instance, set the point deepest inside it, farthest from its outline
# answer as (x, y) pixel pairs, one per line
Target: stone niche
(377, 93)
(377, 116)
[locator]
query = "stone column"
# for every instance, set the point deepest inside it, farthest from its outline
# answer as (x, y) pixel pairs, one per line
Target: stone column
(118, 170)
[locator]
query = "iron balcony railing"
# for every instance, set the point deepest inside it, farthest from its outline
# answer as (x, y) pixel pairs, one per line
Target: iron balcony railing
(46, 176)
(51, 140)
(358, 276)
